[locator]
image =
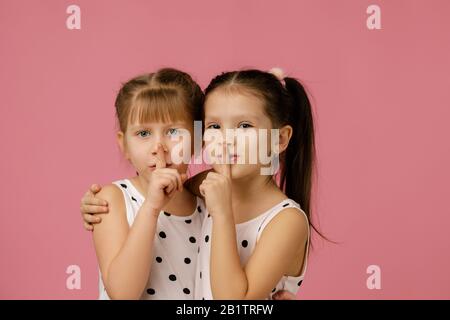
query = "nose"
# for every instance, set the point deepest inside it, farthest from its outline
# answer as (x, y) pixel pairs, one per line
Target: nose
(226, 144)
(154, 149)
(227, 140)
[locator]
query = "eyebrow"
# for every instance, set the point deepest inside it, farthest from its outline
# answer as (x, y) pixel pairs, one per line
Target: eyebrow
(239, 116)
(164, 124)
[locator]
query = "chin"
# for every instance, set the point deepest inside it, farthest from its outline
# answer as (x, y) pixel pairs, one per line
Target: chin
(240, 171)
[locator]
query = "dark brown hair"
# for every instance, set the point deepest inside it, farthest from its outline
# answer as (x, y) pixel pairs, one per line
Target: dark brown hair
(284, 104)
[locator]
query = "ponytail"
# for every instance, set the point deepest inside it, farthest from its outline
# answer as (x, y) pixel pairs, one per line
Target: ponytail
(300, 153)
(300, 156)
(286, 103)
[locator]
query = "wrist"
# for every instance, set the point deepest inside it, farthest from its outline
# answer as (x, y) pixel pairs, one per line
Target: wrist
(150, 209)
(223, 216)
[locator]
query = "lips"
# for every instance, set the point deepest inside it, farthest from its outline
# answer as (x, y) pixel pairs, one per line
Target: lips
(168, 165)
(233, 157)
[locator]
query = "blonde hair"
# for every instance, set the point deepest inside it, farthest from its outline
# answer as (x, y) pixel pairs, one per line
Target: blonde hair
(163, 96)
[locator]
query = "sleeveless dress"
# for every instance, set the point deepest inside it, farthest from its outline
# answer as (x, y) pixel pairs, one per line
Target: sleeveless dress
(248, 234)
(174, 253)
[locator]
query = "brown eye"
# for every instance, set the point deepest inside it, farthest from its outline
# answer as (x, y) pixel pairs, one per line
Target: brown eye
(245, 125)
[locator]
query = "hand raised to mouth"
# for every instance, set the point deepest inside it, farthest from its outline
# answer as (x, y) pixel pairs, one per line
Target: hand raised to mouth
(160, 158)
(216, 189)
(162, 164)
(224, 168)
(164, 182)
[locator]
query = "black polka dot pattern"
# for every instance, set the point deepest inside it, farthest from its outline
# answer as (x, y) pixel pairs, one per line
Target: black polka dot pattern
(200, 274)
(299, 283)
(206, 238)
(273, 290)
(285, 205)
(245, 243)
(184, 261)
(209, 215)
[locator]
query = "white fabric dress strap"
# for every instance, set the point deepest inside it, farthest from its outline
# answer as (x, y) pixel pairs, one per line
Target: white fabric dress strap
(289, 283)
(288, 203)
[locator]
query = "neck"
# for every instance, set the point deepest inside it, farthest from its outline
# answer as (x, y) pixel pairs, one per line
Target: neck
(246, 189)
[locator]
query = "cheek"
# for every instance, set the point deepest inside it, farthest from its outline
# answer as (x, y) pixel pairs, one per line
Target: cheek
(212, 138)
(211, 149)
(137, 152)
(251, 146)
(269, 144)
(181, 150)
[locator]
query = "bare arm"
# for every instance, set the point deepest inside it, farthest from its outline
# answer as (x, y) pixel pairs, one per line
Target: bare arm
(277, 252)
(280, 244)
(124, 253)
(91, 207)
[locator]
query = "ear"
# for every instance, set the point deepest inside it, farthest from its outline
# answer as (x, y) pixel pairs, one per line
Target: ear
(285, 134)
(122, 144)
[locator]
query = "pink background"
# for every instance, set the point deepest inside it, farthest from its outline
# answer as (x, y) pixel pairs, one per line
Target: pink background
(381, 99)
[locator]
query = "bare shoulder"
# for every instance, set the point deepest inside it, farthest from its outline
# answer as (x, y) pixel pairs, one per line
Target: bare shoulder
(113, 195)
(283, 240)
(292, 215)
(110, 192)
(290, 223)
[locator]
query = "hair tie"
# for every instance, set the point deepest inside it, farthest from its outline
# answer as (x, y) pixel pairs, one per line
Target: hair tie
(279, 73)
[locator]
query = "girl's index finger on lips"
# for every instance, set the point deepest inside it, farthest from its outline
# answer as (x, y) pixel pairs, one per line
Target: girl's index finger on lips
(225, 166)
(160, 159)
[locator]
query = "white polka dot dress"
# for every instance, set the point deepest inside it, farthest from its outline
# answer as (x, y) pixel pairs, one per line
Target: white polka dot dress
(175, 249)
(248, 234)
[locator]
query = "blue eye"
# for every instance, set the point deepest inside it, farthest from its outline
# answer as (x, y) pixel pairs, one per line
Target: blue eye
(173, 131)
(144, 133)
(245, 125)
(213, 126)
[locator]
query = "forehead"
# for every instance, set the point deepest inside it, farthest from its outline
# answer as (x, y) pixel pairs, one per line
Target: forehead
(233, 104)
(159, 124)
